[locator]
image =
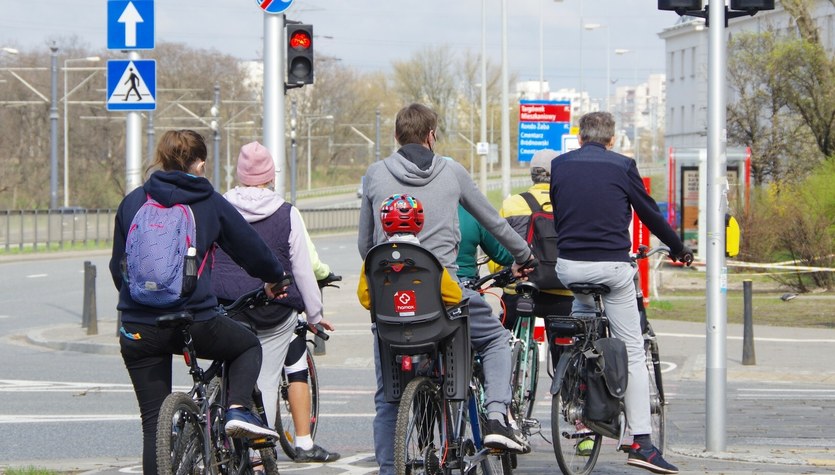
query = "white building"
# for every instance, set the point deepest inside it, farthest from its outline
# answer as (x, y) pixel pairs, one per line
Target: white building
(686, 66)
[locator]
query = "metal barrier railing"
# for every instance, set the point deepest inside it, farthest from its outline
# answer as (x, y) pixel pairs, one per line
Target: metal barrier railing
(40, 230)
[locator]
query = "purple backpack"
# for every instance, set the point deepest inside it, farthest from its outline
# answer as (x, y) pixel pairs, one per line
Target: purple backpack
(158, 243)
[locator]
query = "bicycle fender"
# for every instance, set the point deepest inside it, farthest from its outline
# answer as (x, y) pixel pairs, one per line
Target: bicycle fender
(559, 371)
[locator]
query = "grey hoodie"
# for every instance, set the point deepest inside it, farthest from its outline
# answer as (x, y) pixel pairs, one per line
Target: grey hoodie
(440, 188)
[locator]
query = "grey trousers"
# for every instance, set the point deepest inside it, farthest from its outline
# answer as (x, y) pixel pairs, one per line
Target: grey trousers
(624, 322)
(490, 339)
(274, 344)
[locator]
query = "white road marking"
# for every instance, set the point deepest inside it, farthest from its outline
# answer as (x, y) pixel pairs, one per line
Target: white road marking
(36, 276)
(775, 340)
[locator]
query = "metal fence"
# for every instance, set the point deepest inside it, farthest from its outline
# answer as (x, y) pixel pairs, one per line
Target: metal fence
(40, 230)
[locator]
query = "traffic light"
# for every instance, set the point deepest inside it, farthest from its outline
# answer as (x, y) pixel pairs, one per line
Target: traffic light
(680, 5)
(299, 55)
(752, 4)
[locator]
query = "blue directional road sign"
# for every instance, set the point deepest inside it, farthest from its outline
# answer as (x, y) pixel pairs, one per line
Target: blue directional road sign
(131, 85)
(130, 24)
(542, 124)
(274, 6)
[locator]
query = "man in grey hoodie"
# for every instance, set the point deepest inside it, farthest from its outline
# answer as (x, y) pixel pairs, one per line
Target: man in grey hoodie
(442, 184)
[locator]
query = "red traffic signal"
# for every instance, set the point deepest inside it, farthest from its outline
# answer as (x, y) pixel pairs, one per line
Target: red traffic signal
(299, 54)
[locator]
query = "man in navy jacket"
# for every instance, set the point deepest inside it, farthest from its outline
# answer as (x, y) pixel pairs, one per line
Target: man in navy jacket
(595, 191)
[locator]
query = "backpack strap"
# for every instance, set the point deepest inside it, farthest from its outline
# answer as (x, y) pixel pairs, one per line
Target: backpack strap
(533, 204)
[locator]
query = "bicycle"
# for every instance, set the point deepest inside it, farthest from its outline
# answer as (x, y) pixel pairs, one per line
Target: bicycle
(284, 420)
(524, 353)
(191, 436)
(576, 335)
(429, 367)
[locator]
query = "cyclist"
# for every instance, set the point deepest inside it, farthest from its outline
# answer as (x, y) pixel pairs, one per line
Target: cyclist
(298, 391)
(473, 236)
(594, 191)
(517, 211)
(441, 185)
(280, 225)
(146, 349)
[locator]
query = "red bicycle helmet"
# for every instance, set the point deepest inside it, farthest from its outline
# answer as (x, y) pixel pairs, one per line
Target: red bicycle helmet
(401, 214)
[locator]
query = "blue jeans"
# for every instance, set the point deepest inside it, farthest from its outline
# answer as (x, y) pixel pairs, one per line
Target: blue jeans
(624, 322)
(489, 338)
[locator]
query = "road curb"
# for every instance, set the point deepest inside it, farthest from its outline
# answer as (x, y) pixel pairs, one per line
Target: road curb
(38, 337)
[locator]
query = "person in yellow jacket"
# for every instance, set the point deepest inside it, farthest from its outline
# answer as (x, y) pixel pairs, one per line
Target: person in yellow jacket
(402, 219)
(516, 209)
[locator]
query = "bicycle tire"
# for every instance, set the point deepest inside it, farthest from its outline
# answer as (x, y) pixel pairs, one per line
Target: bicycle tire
(567, 430)
(180, 438)
(284, 419)
(419, 432)
(657, 404)
(496, 462)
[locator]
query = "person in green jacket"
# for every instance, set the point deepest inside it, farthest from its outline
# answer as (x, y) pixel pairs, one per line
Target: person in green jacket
(473, 236)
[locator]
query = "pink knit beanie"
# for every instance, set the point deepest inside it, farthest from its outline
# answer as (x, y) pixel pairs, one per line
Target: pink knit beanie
(255, 165)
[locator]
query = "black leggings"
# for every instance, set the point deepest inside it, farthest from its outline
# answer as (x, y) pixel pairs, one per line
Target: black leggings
(147, 350)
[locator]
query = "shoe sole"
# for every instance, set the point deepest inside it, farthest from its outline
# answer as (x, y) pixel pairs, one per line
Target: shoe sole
(648, 466)
(495, 441)
(239, 430)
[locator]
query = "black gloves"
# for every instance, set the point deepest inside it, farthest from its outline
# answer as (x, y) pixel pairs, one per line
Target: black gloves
(685, 256)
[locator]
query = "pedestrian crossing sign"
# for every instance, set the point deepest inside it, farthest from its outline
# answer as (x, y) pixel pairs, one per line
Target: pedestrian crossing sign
(131, 85)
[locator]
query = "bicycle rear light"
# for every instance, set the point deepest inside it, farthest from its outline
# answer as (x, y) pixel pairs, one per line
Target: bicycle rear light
(564, 341)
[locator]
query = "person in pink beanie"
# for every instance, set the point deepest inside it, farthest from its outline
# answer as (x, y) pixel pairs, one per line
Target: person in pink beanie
(280, 225)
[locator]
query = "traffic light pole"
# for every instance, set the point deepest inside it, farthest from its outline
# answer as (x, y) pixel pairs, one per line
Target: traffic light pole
(274, 68)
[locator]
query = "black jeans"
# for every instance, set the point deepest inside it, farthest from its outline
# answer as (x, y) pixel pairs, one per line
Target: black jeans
(147, 356)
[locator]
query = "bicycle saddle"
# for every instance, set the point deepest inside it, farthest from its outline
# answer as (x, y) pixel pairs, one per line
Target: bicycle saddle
(586, 288)
(175, 320)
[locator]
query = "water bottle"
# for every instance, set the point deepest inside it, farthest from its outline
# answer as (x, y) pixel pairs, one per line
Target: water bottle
(189, 272)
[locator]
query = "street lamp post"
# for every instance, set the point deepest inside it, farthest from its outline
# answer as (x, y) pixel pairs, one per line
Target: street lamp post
(542, 51)
(310, 121)
(53, 129)
(594, 26)
(67, 127)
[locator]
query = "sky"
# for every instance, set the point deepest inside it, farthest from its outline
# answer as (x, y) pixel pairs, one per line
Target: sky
(369, 34)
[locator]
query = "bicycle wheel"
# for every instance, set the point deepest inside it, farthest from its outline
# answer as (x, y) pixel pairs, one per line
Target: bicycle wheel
(495, 462)
(657, 404)
(525, 373)
(284, 418)
(180, 438)
(419, 434)
(567, 429)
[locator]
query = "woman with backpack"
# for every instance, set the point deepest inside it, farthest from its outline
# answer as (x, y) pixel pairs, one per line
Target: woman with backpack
(177, 209)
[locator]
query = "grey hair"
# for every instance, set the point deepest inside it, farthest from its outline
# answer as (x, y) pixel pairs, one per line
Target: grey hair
(540, 175)
(598, 127)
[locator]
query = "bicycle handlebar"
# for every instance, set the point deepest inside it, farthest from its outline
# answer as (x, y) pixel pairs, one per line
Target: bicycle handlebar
(329, 280)
(645, 252)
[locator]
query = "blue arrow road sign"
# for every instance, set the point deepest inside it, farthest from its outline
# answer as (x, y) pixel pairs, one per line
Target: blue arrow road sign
(131, 85)
(274, 6)
(130, 24)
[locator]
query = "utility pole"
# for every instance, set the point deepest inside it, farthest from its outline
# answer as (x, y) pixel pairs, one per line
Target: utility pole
(216, 139)
(53, 130)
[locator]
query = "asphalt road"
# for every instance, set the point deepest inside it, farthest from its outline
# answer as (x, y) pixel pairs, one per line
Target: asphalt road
(71, 410)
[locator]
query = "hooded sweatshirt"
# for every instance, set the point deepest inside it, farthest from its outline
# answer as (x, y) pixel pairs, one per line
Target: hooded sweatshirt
(217, 221)
(256, 205)
(440, 185)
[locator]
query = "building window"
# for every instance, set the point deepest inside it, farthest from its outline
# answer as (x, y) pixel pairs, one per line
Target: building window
(671, 66)
(693, 62)
(682, 64)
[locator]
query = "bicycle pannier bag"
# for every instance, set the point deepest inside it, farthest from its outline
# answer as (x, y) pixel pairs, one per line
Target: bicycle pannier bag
(542, 239)
(160, 255)
(606, 379)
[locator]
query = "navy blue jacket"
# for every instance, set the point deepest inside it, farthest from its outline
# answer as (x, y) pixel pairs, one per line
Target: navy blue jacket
(595, 191)
(217, 221)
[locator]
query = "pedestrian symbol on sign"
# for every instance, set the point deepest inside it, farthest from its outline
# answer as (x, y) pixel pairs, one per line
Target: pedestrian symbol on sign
(131, 85)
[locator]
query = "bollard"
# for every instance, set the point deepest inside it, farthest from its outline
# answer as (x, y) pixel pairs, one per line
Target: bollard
(748, 356)
(89, 317)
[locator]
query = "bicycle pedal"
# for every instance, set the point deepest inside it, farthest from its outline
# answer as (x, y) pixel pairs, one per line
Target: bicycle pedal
(262, 443)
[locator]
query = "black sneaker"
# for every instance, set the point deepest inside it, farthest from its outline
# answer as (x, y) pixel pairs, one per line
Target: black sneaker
(501, 436)
(649, 459)
(241, 422)
(316, 454)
